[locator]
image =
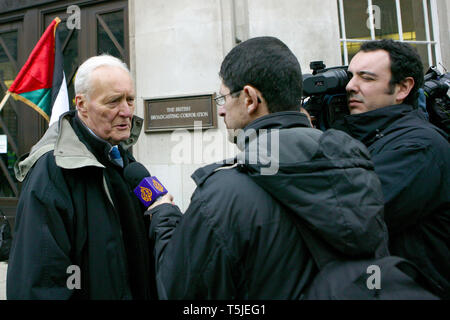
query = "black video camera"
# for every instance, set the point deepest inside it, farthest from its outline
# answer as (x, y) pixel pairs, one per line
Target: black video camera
(437, 92)
(324, 95)
(436, 84)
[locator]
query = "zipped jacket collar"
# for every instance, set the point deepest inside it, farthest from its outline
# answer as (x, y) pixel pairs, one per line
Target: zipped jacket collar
(370, 126)
(69, 151)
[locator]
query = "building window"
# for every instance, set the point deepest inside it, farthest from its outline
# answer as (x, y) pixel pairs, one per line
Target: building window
(111, 34)
(102, 30)
(8, 115)
(411, 21)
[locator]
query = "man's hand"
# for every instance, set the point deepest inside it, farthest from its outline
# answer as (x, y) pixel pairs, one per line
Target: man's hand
(167, 198)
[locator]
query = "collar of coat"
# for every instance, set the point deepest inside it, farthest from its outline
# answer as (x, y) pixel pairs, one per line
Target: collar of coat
(277, 120)
(295, 125)
(69, 151)
(369, 126)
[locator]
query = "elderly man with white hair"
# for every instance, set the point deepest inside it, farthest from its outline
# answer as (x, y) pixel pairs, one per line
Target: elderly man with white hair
(80, 233)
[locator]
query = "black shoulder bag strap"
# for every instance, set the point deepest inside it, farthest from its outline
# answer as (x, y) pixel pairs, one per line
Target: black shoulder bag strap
(322, 255)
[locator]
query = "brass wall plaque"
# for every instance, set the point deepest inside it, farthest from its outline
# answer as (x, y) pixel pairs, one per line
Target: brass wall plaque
(168, 114)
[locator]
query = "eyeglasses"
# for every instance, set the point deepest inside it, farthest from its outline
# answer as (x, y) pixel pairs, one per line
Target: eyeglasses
(220, 100)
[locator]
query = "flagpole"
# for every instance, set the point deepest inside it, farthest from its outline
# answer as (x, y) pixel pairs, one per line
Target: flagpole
(5, 98)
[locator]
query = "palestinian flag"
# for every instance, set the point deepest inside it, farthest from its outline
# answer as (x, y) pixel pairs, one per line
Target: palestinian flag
(41, 82)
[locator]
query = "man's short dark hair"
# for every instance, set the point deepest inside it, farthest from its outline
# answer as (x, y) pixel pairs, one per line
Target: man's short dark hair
(405, 62)
(269, 65)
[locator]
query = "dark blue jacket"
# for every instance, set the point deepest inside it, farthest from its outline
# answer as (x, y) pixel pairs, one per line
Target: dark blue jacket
(412, 160)
(239, 240)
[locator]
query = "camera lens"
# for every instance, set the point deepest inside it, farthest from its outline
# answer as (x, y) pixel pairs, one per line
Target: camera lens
(329, 81)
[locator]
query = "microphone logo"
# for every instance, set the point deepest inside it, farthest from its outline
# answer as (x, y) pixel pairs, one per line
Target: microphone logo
(158, 186)
(146, 194)
(149, 190)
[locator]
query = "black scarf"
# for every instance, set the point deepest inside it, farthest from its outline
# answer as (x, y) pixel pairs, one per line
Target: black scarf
(128, 209)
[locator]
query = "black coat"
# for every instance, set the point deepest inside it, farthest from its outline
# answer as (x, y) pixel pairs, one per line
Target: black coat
(70, 215)
(238, 240)
(412, 160)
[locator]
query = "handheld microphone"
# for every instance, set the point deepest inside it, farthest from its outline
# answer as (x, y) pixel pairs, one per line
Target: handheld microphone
(147, 188)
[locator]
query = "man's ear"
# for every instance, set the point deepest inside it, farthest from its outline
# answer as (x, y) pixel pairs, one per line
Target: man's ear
(81, 104)
(252, 99)
(404, 88)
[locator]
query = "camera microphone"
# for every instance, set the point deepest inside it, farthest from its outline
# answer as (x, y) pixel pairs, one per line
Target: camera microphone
(147, 188)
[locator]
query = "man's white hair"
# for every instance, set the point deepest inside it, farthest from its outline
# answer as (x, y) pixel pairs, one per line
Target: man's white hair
(83, 76)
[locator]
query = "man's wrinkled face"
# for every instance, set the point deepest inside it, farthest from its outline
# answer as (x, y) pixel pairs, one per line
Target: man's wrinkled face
(368, 88)
(108, 108)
